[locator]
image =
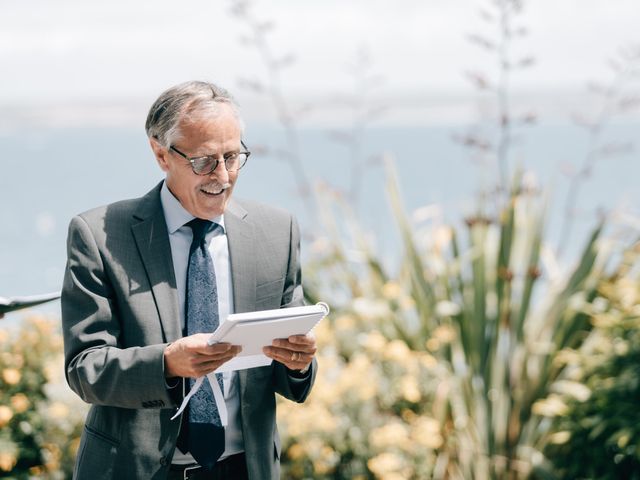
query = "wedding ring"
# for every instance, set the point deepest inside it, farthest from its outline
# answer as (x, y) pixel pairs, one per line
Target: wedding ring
(295, 356)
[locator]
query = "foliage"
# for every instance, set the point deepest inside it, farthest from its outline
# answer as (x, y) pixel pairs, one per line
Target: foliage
(40, 423)
(599, 436)
(438, 370)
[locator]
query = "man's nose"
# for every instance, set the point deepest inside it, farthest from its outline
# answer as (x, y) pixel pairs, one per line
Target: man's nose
(220, 172)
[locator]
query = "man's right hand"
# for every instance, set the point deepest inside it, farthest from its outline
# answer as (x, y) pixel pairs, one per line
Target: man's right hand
(192, 357)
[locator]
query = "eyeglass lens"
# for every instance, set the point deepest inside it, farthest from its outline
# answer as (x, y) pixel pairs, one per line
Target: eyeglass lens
(206, 165)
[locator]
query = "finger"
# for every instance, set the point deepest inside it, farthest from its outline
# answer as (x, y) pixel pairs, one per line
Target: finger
(302, 339)
(292, 359)
(294, 347)
(212, 354)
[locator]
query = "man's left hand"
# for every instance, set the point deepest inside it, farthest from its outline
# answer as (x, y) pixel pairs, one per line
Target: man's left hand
(295, 352)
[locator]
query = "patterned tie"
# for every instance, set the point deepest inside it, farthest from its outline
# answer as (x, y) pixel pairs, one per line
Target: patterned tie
(204, 432)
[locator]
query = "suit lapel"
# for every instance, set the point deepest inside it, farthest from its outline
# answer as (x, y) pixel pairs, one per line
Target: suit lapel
(241, 256)
(152, 240)
(241, 239)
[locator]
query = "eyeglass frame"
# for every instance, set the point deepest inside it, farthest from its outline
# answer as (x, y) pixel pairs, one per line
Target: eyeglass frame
(191, 160)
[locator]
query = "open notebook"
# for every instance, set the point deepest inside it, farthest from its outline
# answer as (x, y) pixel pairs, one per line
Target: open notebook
(254, 330)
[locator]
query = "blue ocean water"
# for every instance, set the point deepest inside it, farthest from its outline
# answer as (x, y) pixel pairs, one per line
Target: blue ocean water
(48, 175)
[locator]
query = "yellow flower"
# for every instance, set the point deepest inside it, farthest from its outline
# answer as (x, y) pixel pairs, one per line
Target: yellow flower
(425, 432)
(296, 451)
(552, 406)
(576, 389)
(397, 351)
(375, 342)
(324, 334)
(428, 361)
(6, 414)
(410, 389)
(560, 438)
(58, 410)
(391, 290)
(20, 402)
(36, 472)
(389, 435)
(327, 461)
(357, 381)
(13, 359)
(74, 445)
(445, 333)
(345, 322)
(52, 455)
(7, 461)
(384, 464)
(11, 376)
(433, 344)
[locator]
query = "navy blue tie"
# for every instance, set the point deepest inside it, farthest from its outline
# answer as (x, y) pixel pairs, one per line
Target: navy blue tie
(205, 434)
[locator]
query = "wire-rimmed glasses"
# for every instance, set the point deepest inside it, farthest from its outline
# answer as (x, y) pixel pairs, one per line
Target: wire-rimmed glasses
(207, 164)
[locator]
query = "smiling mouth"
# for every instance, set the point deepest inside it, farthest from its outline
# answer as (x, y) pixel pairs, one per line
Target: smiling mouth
(214, 189)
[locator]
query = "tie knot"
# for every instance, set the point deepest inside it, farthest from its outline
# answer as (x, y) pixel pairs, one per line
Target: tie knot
(200, 228)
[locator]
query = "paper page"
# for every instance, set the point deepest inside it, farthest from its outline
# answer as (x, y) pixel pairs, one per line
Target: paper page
(242, 363)
(256, 330)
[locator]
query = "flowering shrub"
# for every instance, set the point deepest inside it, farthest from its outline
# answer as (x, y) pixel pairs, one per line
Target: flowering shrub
(433, 371)
(597, 421)
(40, 419)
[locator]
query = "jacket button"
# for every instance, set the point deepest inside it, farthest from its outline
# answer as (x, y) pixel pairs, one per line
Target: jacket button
(164, 462)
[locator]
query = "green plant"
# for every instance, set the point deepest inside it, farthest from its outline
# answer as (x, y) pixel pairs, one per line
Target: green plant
(40, 419)
(597, 434)
(458, 346)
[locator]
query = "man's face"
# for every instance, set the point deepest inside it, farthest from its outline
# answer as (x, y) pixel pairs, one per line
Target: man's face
(204, 196)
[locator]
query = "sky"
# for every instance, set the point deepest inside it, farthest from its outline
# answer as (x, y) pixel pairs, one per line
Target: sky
(78, 62)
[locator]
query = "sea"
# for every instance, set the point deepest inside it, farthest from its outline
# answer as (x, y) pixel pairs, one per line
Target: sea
(47, 175)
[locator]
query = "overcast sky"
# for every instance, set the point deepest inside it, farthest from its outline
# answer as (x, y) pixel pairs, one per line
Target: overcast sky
(74, 53)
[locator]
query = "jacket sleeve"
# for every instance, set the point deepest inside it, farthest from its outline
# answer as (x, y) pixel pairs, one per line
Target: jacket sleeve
(97, 367)
(296, 389)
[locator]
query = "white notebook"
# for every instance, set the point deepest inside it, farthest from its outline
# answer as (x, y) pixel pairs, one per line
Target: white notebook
(255, 330)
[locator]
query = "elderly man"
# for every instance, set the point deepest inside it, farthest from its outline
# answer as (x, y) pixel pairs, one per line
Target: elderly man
(148, 279)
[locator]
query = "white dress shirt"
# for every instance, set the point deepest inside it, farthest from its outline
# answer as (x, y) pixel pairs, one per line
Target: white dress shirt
(180, 237)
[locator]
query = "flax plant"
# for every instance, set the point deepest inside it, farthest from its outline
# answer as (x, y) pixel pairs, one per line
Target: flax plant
(502, 360)
(457, 348)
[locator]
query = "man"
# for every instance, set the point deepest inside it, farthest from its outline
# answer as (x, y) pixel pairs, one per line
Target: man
(141, 273)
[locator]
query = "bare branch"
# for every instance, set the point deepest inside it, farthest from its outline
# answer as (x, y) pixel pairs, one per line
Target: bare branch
(481, 41)
(478, 79)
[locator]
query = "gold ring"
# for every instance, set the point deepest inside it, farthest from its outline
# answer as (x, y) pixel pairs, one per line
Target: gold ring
(293, 356)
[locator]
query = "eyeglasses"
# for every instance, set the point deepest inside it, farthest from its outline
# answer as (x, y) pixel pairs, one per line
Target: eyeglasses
(207, 164)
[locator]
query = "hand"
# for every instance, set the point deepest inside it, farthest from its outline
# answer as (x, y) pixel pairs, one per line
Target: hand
(192, 357)
(295, 352)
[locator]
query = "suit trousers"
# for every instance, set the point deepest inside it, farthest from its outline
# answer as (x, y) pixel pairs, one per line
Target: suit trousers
(233, 467)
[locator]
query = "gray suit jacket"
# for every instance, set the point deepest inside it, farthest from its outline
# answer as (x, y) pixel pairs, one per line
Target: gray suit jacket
(120, 310)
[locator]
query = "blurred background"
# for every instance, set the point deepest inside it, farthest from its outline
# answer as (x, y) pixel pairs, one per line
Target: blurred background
(450, 164)
(78, 79)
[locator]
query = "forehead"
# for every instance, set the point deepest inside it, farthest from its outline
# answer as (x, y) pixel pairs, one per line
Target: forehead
(206, 126)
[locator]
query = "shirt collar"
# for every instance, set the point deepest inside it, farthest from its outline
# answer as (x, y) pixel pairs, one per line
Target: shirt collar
(175, 214)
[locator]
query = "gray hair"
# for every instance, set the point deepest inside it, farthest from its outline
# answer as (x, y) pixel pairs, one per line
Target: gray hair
(183, 102)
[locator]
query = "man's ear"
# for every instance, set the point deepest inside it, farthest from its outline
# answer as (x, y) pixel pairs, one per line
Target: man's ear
(160, 153)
